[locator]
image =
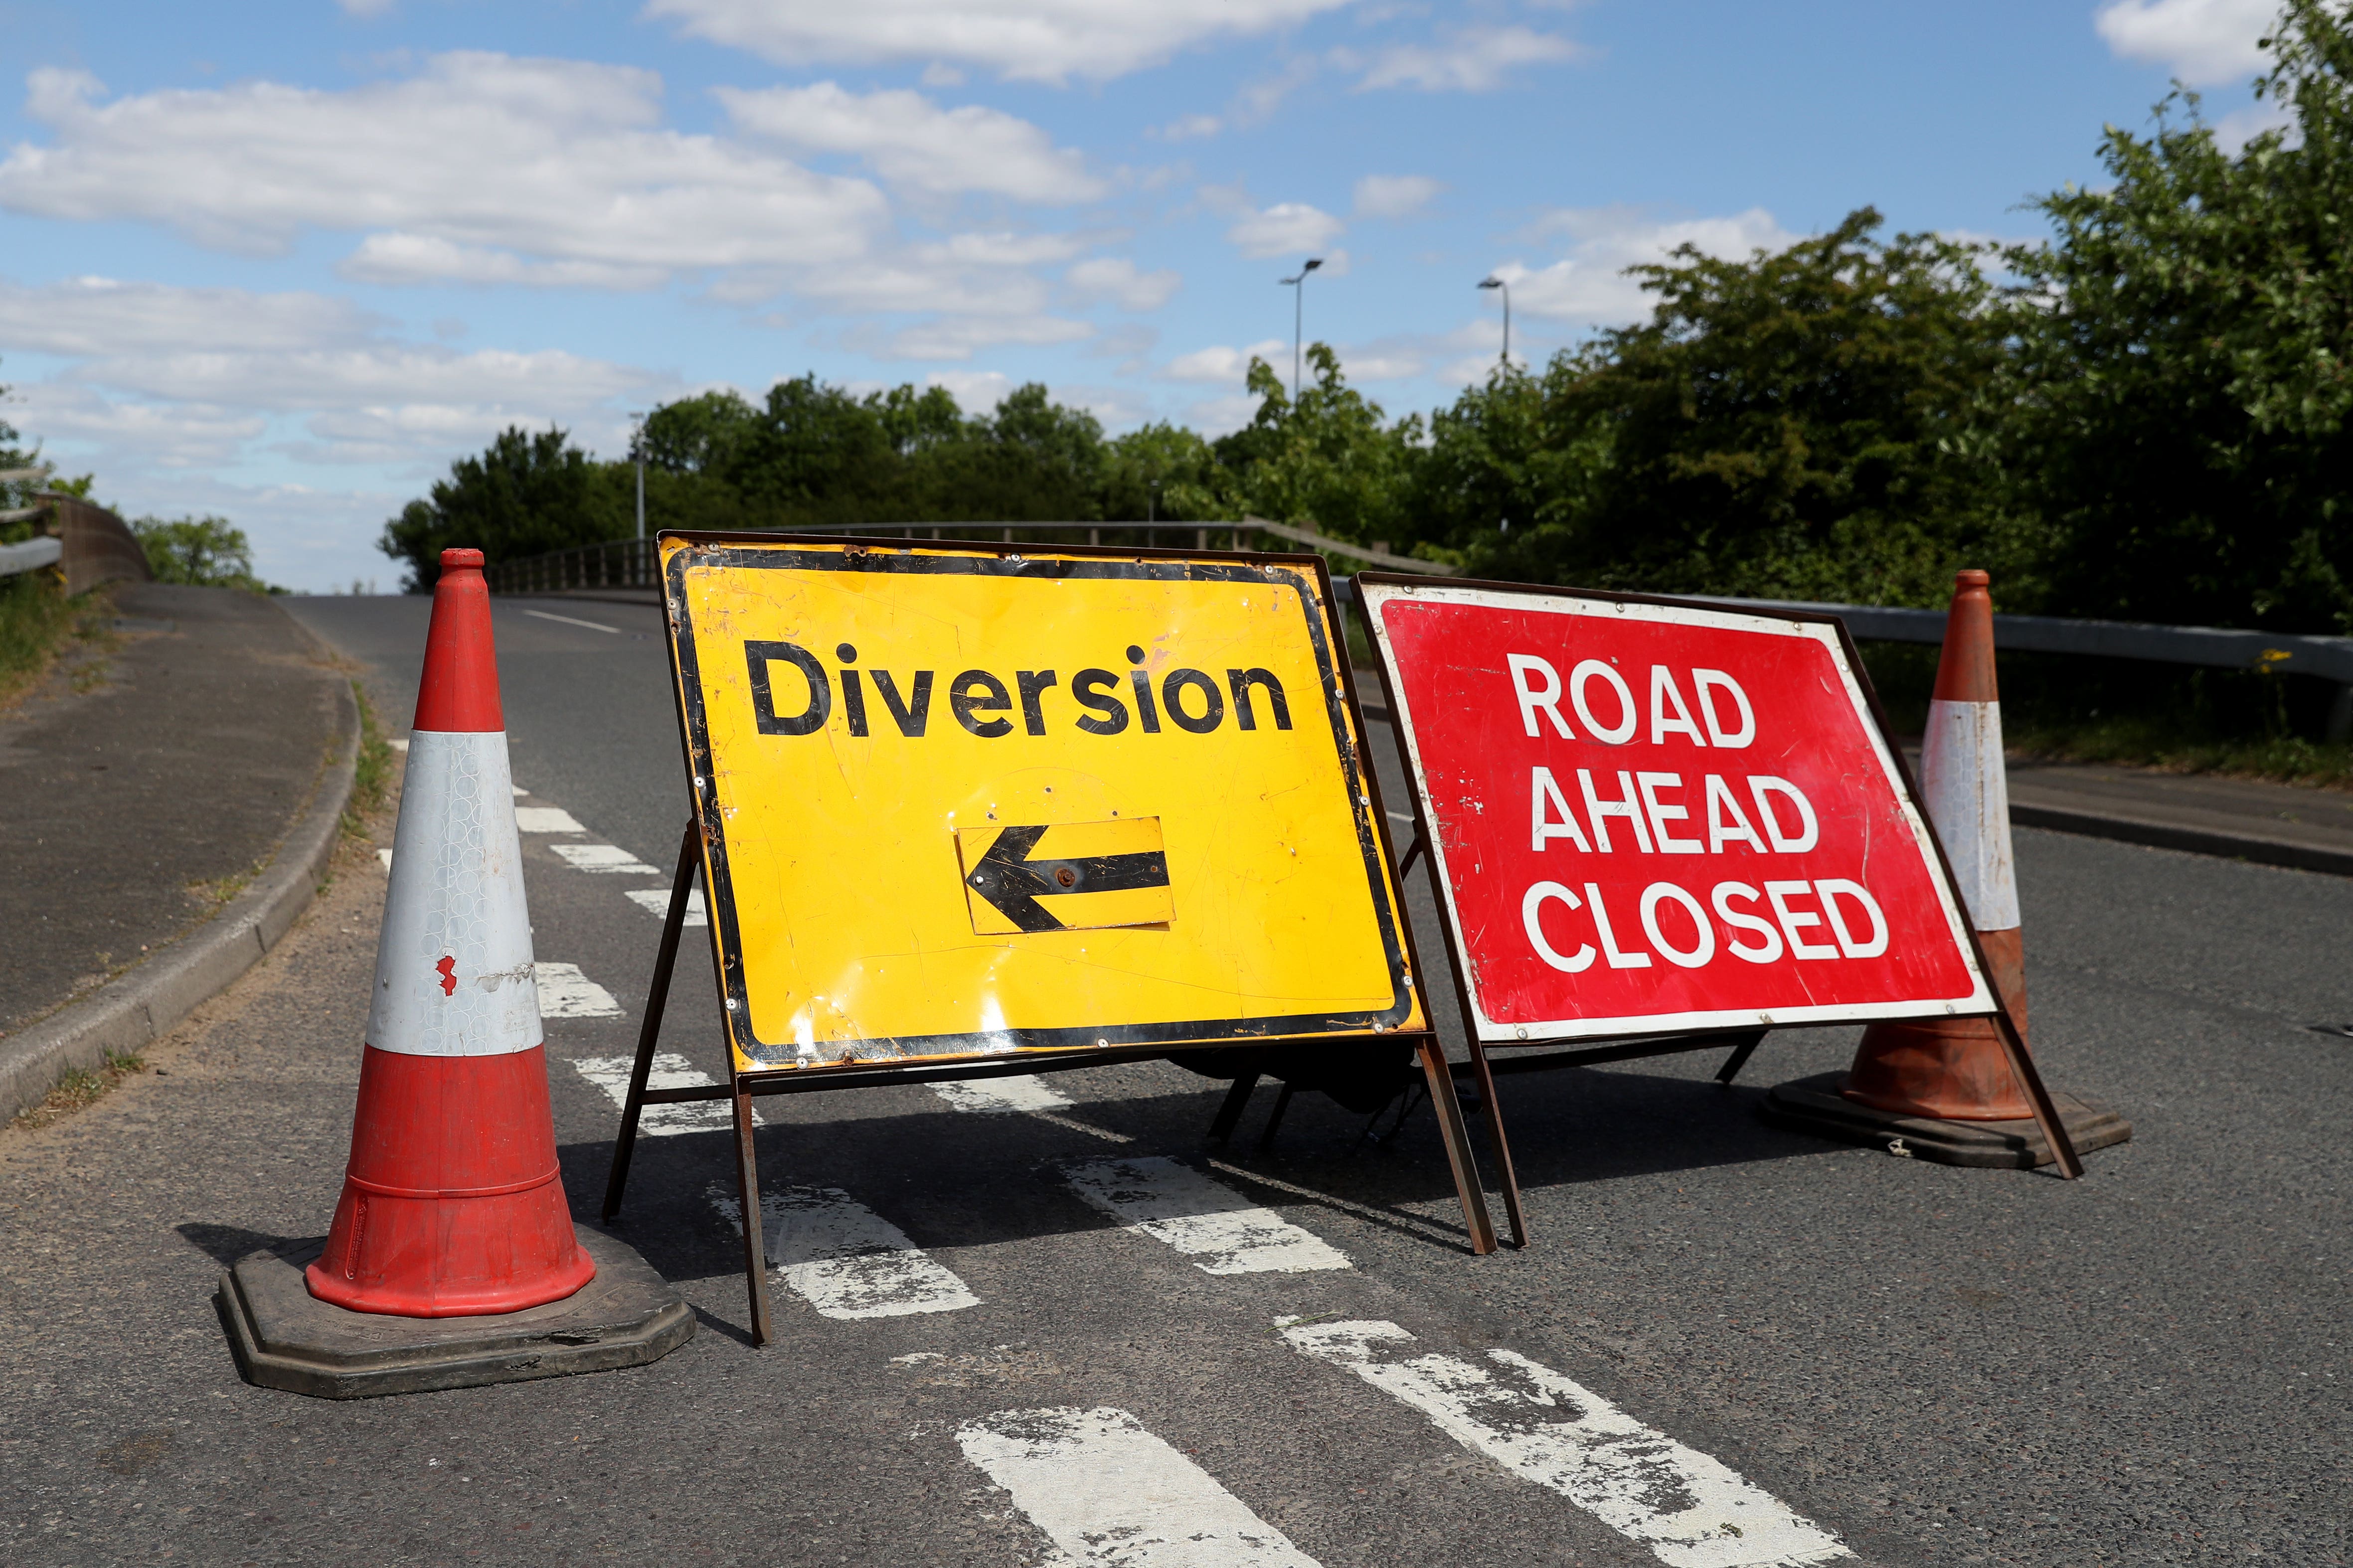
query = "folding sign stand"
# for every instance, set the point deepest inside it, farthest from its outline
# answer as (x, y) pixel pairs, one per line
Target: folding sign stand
(1236, 852)
(1486, 682)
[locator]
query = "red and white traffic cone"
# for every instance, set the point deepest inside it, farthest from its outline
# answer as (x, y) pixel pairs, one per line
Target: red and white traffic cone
(453, 1204)
(1943, 1088)
(1955, 1069)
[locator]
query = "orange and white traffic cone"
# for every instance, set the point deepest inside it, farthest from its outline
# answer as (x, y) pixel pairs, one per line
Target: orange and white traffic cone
(1955, 1069)
(1943, 1088)
(453, 1204)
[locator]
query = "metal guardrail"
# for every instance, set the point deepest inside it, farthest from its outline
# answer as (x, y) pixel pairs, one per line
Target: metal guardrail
(2211, 647)
(30, 556)
(630, 563)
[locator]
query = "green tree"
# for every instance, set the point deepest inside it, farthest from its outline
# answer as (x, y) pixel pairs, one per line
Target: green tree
(1803, 424)
(699, 435)
(203, 551)
(528, 494)
(1331, 459)
(1150, 471)
(1510, 455)
(2184, 379)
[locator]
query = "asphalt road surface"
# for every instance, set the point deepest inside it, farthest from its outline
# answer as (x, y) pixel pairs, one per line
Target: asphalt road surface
(1060, 1327)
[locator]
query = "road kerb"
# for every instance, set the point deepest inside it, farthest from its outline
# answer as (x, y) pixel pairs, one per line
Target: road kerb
(151, 1000)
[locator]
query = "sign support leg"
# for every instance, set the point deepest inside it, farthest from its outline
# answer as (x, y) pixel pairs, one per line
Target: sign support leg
(625, 1142)
(1458, 1145)
(1229, 1114)
(1494, 1113)
(755, 1224)
(1739, 1058)
(2046, 1115)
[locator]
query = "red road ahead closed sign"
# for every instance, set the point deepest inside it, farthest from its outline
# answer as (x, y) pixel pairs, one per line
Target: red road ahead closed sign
(1651, 818)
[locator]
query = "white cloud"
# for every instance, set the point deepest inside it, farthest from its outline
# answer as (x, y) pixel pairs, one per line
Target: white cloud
(1394, 195)
(1215, 417)
(912, 142)
(1189, 127)
(1472, 60)
(478, 154)
(1222, 364)
(85, 317)
(976, 391)
(2203, 42)
(1283, 228)
(1588, 288)
(1115, 278)
(1035, 40)
(958, 337)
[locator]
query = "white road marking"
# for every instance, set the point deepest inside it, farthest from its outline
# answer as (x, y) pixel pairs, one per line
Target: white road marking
(566, 992)
(670, 1070)
(385, 856)
(656, 902)
(602, 857)
(1106, 1491)
(520, 791)
(997, 1095)
(1690, 1510)
(545, 819)
(398, 745)
(1222, 1231)
(569, 621)
(845, 1259)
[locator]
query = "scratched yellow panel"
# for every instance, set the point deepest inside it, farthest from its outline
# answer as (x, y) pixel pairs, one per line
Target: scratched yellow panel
(868, 727)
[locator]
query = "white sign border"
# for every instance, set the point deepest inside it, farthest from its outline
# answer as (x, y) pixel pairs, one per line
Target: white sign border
(1372, 595)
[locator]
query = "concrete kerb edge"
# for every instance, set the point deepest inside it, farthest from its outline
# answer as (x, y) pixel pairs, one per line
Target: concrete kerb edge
(149, 1001)
(2193, 840)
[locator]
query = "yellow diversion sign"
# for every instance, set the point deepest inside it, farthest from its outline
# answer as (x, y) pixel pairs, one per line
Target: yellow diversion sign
(962, 800)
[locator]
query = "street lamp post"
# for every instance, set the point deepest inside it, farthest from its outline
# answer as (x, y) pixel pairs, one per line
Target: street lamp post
(1298, 316)
(1507, 288)
(637, 456)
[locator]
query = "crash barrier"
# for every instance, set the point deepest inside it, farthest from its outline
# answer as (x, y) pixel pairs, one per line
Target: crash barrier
(87, 544)
(30, 556)
(629, 564)
(1665, 819)
(633, 562)
(964, 810)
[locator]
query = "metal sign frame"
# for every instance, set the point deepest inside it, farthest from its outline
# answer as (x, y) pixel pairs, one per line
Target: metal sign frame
(1674, 1033)
(918, 1059)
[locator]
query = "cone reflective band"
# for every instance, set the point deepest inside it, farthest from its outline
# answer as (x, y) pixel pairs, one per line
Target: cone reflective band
(1955, 1069)
(453, 1204)
(1651, 818)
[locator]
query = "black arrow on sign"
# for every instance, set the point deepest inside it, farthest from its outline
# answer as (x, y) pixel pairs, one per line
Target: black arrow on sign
(1013, 883)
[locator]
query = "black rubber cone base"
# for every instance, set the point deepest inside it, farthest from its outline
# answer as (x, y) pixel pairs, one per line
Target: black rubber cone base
(284, 1337)
(1814, 1105)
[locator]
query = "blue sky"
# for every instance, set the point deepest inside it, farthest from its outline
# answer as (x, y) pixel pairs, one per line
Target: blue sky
(283, 261)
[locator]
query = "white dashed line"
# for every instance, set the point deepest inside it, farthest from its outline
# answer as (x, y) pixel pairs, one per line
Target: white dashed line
(566, 992)
(845, 1259)
(998, 1095)
(655, 901)
(545, 819)
(607, 857)
(1690, 1510)
(670, 1070)
(568, 621)
(1106, 1491)
(1222, 1231)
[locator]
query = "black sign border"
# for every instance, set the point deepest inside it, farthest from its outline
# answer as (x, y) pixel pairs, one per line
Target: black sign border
(780, 552)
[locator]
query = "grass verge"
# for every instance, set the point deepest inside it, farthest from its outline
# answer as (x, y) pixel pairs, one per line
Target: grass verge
(2147, 743)
(35, 620)
(79, 1090)
(371, 772)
